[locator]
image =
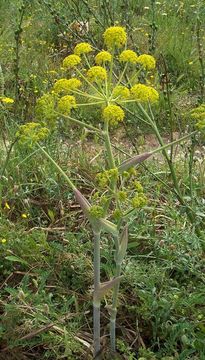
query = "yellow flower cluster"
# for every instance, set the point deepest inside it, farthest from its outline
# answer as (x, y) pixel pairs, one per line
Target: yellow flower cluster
(199, 114)
(82, 48)
(121, 92)
(128, 56)
(105, 177)
(45, 109)
(113, 114)
(139, 201)
(31, 132)
(6, 100)
(144, 93)
(102, 57)
(96, 73)
(71, 61)
(115, 36)
(66, 86)
(66, 104)
(147, 61)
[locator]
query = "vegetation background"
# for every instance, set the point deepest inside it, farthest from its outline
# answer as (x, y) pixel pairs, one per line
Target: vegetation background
(45, 248)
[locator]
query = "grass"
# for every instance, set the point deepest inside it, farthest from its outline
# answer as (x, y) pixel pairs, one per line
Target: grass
(46, 252)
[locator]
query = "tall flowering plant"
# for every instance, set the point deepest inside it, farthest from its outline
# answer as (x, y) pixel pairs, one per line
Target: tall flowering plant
(108, 81)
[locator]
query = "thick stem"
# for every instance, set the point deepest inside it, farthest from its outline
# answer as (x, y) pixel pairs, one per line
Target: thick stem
(113, 310)
(96, 302)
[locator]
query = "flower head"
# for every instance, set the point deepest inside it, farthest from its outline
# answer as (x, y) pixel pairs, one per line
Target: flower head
(144, 93)
(65, 86)
(45, 109)
(66, 104)
(31, 132)
(113, 114)
(199, 114)
(121, 92)
(139, 201)
(147, 61)
(96, 73)
(102, 57)
(128, 56)
(6, 100)
(71, 61)
(115, 36)
(82, 48)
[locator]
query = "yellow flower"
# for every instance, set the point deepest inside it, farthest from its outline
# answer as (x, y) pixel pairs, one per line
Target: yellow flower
(6, 100)
(147, 61)
(3, 241)
(6, 206)
(143, 93)
(24, 216)
(66, 85)
(31, 132)
(128, 56)
(45, 109)
(102, 57)
(66, 104)
(121, 92)
(113, 114)
(199, 114)
(71, 61)
(82, 48)
(96, 73)
(139, 201)
(115, 36)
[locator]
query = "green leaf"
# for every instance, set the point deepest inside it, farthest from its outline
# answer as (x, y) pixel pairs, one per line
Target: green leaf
(14, 258)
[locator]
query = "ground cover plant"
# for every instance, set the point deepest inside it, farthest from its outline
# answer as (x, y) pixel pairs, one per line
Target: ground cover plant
(104, 136)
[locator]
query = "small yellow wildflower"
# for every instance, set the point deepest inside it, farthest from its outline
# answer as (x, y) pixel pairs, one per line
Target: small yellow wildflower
(3, 241)
(102, 57)
(147, 61)
(191, 62)
(6, 100)
(66, 86)
(144, 93)
(71, 61)
(121, 92)
(128, 56)
(113, 114)
(115, 36)
(6, 206)
(82, 48)
(96, 73)
(24, 216)
(66, 104)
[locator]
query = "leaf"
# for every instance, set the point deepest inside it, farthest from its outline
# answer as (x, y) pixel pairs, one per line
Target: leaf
(109, 227)
(51, 215)
(123, 245)
(133, 161)
(14, 258)
(105, 287)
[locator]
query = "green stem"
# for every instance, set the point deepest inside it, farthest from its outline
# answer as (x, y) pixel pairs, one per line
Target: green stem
(113, 311)
(96, 303)
(78, 122)
(111, 161)
(58, 168)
